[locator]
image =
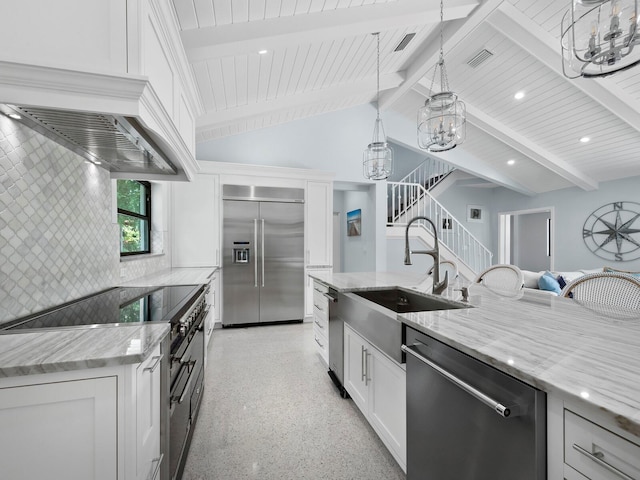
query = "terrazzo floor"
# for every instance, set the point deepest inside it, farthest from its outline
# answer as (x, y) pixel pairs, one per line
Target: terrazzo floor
(270, 411)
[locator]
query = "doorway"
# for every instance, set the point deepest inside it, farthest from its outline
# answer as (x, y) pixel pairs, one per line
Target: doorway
(526, 239)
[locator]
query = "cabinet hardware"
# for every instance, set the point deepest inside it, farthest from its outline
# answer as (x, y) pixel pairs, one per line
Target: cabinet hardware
(496, 406)
(318, 342)
(318, 323)
(598, 458)
(318, 307)
(367, 378)
(362, 360)
(152, 368)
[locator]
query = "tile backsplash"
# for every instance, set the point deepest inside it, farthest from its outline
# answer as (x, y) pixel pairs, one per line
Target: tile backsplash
(57, 239)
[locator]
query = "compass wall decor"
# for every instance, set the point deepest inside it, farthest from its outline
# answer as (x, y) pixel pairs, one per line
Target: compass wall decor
(612, 231)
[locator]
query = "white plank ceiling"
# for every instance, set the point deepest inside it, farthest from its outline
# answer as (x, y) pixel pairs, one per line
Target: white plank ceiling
(320, 57)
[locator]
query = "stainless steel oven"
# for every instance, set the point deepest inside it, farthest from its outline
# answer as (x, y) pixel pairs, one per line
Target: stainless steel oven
(187, 381)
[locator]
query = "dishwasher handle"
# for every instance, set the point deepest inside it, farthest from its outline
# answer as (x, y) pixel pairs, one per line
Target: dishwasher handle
(499, 408)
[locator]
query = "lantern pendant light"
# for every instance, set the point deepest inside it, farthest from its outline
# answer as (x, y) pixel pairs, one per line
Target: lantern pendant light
(599, 37)
(442, 121)
(377, 163)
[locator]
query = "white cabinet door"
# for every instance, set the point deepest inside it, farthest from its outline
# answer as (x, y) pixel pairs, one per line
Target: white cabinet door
(309, 289)
(148, 417)
(196, 222)
(60, 430)
(319, 223)
(377, 385)
(355, 368)
(387, 403)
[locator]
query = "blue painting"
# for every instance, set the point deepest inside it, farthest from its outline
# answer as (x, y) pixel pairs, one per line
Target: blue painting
(354, 223)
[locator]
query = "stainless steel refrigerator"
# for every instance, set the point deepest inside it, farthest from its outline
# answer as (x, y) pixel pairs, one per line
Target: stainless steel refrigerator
(263, 255)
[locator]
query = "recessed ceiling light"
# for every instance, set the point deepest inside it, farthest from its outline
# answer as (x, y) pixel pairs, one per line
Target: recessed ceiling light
(585, 139)
(519, 95)
(262, 52)
(15, 116)
(511, 162)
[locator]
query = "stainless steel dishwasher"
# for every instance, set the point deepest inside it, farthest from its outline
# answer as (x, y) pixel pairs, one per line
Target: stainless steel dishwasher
(467, 420)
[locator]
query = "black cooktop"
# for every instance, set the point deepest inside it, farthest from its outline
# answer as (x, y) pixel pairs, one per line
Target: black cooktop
(120, 305)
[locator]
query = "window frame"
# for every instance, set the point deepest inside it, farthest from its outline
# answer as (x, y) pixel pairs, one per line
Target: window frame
(146, 217)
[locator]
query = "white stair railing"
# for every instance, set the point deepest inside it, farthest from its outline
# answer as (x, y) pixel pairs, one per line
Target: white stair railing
(429, 173)
(412, 200)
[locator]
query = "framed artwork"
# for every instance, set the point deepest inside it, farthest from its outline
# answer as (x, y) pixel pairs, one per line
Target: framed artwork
(475, 213)
(354, 223)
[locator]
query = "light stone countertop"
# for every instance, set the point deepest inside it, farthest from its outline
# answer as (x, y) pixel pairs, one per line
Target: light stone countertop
(50, 351)
(174, 276)
(584, 352)
(46, 351)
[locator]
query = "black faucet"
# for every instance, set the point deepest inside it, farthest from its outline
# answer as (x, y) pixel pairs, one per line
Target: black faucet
(438, 287)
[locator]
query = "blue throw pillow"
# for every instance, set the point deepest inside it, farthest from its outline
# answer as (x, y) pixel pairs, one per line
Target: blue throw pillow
(549, 283)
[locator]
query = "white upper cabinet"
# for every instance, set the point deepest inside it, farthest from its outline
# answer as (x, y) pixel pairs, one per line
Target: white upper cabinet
(319, 224)
(196, 222)
(116, 57)
(76, 34)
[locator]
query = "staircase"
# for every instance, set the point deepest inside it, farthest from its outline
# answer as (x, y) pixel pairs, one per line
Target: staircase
(407, 200)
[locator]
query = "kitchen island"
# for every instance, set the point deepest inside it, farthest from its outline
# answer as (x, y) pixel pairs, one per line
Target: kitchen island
(585, 357)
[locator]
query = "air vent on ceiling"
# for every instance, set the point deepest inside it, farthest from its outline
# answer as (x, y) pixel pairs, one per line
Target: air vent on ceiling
(479, 58)
(404, 42)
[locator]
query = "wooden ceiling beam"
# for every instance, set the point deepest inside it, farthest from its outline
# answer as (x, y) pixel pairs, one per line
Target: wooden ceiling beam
(241, 38)
(536, 41)
(455, 32)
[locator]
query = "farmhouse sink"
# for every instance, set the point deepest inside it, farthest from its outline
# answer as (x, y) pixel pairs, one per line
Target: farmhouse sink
(406, 301)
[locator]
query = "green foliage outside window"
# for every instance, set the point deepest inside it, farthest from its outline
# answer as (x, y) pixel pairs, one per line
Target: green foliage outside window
(134, 216)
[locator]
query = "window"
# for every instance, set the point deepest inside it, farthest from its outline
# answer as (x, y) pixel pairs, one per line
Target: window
(134, 216)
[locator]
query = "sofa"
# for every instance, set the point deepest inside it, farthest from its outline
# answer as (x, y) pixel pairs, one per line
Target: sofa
(534, 282)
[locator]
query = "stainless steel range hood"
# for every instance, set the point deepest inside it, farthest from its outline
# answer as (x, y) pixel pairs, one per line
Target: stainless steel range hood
(116, 143)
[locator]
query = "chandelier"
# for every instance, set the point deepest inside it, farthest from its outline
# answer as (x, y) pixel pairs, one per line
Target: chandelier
(598, 37)
(377, 163)
(442, 120)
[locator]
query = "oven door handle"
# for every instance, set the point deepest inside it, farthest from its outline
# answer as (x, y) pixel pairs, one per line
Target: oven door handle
(499, 408)
(185, 390)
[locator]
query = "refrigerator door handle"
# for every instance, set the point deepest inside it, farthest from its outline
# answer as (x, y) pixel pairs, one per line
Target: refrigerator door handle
(255, 249)
(262, 249)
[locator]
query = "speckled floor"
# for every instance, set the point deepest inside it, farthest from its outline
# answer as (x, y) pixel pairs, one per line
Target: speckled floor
(270, 411)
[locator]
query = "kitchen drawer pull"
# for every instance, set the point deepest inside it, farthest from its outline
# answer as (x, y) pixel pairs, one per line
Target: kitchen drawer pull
(363, 354)
(156, 471)
(318, 307)
(319, 324)
(152, 368)
(496, 406)
(318, 342)
(597, 457)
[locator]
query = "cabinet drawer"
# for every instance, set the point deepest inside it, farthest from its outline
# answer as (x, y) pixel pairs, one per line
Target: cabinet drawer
(320, 324)
(320, 305)
(322, 344)
(598, 453)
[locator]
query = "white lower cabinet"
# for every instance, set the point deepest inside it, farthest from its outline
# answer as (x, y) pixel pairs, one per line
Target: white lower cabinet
(147, 404)
(321, 321)
(585, 443)
(94, 424)
(377, 386)
(60, 430)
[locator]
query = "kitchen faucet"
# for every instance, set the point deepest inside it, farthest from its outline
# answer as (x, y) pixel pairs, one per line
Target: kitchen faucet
(438, 287)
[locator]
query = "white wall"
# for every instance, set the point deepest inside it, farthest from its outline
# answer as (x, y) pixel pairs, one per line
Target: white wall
(358, 253)
(572, 207)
